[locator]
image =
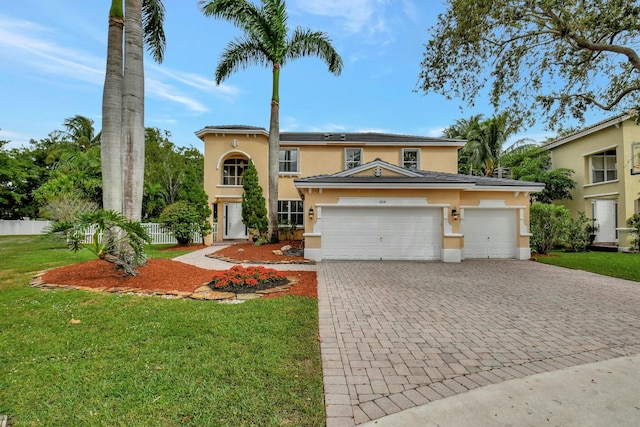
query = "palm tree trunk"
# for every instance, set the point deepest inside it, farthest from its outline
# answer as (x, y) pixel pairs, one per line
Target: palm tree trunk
(110, 144)
(133, 113)
(274, 152)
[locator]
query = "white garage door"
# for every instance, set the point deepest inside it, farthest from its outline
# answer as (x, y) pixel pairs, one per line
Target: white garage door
(489, 233)
(372, 233)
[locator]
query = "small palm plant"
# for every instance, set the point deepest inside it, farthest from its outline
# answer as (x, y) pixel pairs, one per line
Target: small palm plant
(114, 239)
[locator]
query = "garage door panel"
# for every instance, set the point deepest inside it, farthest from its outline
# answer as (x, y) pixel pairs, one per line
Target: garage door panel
(489, 233)
(381, 233)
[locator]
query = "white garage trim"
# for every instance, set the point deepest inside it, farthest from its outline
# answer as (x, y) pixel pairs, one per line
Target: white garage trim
(489, 233)
(381, 233)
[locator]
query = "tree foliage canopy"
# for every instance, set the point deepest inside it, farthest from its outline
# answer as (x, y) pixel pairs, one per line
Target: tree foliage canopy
(564, 55)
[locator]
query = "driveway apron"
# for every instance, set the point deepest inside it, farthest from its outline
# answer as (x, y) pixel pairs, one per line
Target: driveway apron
(396, 335)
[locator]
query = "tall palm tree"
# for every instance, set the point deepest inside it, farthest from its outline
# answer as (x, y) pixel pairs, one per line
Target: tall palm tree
(266, 42)
(122, 144)
(111, 140)
(463, 129)
(486, 141)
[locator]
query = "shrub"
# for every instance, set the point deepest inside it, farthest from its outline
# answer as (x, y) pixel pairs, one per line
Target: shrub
(578, 231)
(243, 278)
(548, 226)
(634, 223)
(182, 220)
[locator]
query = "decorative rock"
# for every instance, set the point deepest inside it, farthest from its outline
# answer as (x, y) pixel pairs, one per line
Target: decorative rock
(179, 294)
(240, 250)
(214, 295)
(277, 252)
(248, 296)
(285, 248)
(203, 288)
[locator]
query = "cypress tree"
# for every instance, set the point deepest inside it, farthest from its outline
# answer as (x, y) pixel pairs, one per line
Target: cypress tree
(254, 210)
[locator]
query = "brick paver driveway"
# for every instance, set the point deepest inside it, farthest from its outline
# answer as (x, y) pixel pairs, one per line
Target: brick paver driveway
(400, 334)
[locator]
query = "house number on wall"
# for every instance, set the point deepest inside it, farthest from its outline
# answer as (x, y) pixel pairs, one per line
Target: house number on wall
(382, 202)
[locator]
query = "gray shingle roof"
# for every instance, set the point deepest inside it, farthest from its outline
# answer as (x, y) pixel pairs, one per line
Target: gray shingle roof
(362, 137)
(424, 178)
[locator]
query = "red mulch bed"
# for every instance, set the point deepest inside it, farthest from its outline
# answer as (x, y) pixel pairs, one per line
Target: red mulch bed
(167, 275)
(259, 253)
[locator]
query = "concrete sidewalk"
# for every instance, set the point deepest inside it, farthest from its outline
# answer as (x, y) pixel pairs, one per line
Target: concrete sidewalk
(597, 394)
(199, 259)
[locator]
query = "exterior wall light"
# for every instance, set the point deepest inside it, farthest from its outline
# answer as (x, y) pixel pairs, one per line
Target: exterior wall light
(311, 213)
(454, 214)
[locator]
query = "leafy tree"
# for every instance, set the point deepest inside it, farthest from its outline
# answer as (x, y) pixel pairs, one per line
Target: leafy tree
(548, 226)
(266, 42)
(102, 222)
(182, 220)
(533, 163)
(76, 173)
(565, 56)
(254, 211)
(578, 232)
(192, 188)
(153, 201)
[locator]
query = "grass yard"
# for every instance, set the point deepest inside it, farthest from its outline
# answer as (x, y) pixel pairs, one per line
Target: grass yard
(141, 361)
(614, 264)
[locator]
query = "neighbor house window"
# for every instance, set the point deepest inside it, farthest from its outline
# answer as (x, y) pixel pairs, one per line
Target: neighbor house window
(291, 210)
(289, 161)
(410, 158)
(232, 171)
(352, 157)
(603, 167)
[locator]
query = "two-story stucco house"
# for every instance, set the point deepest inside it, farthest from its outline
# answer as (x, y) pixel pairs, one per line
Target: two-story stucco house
(606, 190)
(371, 196)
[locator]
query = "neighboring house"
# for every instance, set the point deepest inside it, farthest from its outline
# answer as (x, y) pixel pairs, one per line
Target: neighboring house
(606, 190)
(371, 195)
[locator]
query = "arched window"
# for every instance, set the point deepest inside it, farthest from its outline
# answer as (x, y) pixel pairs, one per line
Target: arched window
(232, 170)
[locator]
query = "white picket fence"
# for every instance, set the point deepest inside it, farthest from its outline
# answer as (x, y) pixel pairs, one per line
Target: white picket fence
(30, 227)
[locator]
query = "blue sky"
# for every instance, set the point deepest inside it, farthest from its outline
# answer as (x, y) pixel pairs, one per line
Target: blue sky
(53, 59)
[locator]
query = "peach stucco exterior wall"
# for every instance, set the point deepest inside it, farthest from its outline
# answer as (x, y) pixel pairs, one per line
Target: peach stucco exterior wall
(626, 189)
(446, 200)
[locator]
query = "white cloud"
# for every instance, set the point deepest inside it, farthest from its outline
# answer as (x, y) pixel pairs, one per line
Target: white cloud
(222, 91)
(435, 132)
(164, 91)
(26, 43)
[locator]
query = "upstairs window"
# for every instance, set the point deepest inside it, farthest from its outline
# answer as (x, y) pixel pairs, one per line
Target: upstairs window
(289, 161)
(410, 158)
(352, 157)
(292, 211)
(232, 171)
(603, 167)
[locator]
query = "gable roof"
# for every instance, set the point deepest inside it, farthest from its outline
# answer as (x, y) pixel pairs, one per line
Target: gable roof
(329, 138)
(613, 121)
(402, 178)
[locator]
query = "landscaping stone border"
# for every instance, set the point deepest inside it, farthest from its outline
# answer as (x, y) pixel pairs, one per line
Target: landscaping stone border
(247, 261)
(203, 293)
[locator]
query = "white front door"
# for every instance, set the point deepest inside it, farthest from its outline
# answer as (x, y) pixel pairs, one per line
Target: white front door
(372, 233)
(605, 212)
(233, 226)
(489, 233)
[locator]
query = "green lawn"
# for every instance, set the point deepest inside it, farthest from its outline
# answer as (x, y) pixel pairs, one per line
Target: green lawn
(143, 361)
(614, 264)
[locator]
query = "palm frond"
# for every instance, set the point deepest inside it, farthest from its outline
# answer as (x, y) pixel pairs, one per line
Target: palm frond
(305, 42)
(153, 28)
(241, 13)
(239, 55)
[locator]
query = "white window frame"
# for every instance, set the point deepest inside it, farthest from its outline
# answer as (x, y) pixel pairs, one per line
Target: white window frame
(237, 179)
(604, 169)
(350, 164)
(288, 212)
(417, 161)
(293, 172)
